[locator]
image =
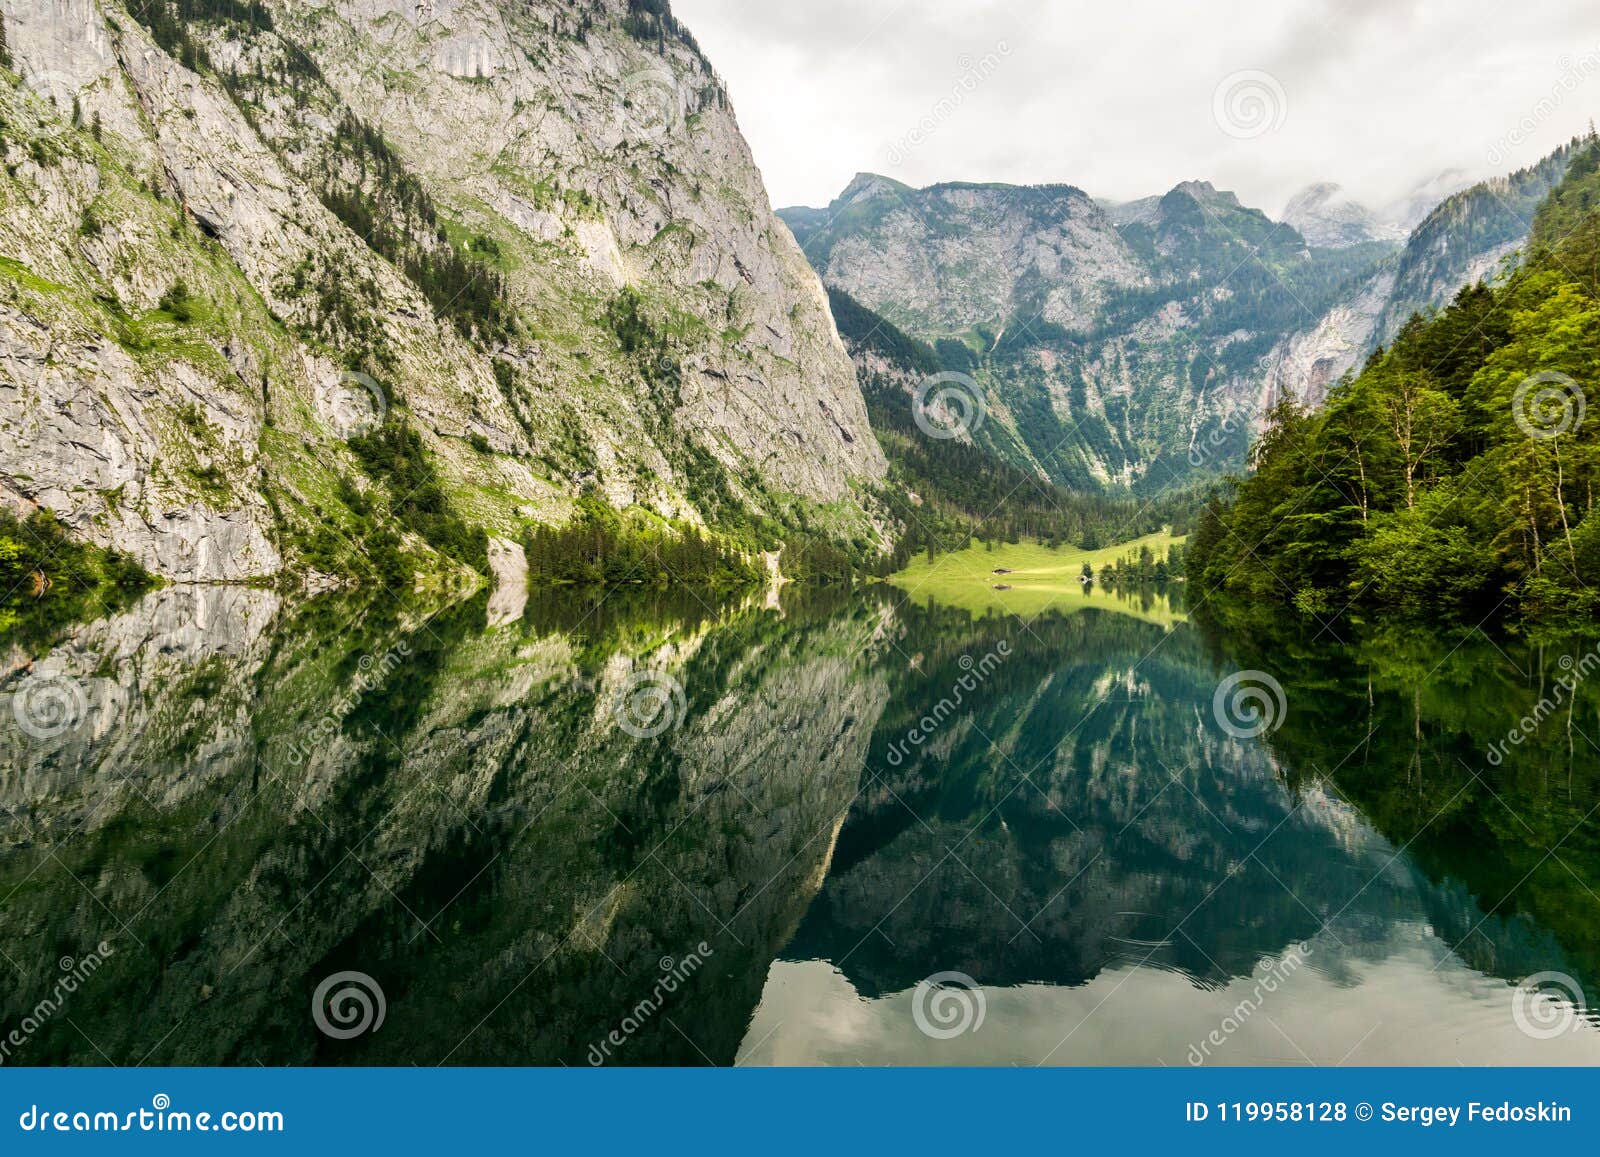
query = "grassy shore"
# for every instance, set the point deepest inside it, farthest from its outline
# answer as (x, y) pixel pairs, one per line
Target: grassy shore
(1040, 580)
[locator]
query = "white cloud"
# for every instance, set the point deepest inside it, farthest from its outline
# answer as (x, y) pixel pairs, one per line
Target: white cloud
(1117, 97)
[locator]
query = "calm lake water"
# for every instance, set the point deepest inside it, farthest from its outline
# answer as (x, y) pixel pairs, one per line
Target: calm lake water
(842, 829)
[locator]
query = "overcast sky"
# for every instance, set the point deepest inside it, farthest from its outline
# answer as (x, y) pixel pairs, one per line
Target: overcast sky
(1128, 97)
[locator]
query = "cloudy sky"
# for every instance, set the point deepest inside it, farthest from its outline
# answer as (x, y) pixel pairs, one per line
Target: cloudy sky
(1127, 97)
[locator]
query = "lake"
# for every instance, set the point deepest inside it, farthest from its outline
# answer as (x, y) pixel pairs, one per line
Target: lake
(832, 828)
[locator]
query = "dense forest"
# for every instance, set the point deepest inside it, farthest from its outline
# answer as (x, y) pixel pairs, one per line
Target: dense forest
(1455, 475)
(600, 547)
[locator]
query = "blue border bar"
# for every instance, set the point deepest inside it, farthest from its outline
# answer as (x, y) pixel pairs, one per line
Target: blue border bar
(798, 1111)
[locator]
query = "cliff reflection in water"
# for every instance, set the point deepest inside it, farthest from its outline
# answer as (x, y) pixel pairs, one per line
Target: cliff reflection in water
(476, 832)
(499, 828)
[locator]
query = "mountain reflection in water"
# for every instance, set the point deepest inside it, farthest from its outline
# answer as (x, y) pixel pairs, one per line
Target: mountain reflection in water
(635, 830)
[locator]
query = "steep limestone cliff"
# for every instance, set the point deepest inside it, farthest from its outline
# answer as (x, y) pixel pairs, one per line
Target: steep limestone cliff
(528, 233)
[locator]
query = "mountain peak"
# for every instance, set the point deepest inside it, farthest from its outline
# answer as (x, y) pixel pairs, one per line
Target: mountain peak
(866, 186)
(1206, 193)
(1329, 218)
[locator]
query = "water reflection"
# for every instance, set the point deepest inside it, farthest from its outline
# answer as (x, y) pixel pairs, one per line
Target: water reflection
(854, 793)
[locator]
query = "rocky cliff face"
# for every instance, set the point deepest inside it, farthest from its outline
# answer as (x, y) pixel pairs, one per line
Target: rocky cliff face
(950, 259)
(1111, 341)
(235, 235)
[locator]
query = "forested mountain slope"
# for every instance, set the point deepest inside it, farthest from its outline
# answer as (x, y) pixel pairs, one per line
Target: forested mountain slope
(1456, 474)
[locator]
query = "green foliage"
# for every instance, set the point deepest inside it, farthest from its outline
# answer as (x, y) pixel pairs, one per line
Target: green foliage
(360, 179)
(368, 188)
(171, 22)
(652, 22)
(1474, 221)
(1423, 557)
(1143, 569)
(864, 329)
(634, 330)
(1455, 476)
(178, 302)
(49, 579)
(602, 548)
(810, 559)
(395, 455)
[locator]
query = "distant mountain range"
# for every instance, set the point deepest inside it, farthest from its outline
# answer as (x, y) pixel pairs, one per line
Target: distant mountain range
(1137, 344)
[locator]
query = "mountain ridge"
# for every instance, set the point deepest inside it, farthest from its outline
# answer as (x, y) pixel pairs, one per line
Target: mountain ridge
(1193, 312)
